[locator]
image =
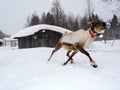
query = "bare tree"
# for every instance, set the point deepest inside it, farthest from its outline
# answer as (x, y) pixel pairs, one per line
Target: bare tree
(58, 12)
(28, 21)
(111, 0)
(117, 2)
(89, 14)
(89, 10)
(2, 35)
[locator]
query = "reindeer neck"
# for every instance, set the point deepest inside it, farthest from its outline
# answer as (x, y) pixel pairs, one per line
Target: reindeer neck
(94, 30)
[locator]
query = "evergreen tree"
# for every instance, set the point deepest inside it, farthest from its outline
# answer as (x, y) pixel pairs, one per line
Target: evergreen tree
(76, 25)
(49, 19)
(33, 20)
(114, 22)
(114, 30)
(43, 18)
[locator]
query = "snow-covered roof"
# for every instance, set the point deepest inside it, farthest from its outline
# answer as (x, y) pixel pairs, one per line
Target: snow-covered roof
(33, 29)
(8, 39)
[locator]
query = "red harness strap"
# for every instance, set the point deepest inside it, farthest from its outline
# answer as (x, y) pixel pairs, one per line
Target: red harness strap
(91, 33)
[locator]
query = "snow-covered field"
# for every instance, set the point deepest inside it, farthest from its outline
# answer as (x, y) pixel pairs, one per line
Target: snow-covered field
(28, 69)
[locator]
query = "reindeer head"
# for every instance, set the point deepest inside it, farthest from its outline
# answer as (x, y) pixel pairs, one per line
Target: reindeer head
(97, 26)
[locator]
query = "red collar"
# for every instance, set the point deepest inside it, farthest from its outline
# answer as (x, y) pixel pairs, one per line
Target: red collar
(91, 33)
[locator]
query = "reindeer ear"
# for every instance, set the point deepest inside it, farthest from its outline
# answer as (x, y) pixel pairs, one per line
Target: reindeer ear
(91, 21)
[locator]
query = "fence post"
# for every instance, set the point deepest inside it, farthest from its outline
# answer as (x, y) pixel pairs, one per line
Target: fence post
(113, 41)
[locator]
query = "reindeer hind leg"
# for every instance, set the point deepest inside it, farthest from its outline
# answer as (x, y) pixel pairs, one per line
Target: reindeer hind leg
(58, 46)
(70, 57)
(68, 54)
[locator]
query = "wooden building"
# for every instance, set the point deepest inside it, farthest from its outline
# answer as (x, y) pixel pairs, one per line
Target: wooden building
(39, 36)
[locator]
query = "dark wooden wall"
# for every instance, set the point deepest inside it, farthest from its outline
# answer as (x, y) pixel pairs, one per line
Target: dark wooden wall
(42, 38)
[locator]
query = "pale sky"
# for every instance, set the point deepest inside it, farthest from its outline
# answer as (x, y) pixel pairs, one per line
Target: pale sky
(13, 13)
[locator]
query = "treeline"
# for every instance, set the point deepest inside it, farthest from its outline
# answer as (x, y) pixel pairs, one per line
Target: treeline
(56, 16)
(114, 29)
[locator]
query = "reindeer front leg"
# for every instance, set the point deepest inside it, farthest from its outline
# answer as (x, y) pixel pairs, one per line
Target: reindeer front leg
(87, 54)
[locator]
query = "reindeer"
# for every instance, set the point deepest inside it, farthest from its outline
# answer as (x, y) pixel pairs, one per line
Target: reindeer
(79, 41)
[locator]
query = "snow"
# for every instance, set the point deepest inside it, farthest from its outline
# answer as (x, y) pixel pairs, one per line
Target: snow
(28, 69)
(33, 29)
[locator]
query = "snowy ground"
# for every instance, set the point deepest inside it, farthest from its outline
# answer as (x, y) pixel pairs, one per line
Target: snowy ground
(28, 69)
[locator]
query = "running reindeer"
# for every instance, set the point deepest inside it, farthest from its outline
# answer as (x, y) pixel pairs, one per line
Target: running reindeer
(79, 40)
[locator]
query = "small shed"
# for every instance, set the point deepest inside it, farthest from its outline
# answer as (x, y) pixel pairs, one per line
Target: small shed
(10, 42)
(42, 35)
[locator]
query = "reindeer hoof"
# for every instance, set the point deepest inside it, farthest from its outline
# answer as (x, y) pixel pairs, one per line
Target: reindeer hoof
(64, 64)
(95, 66)
(71, 62)
(49, 59)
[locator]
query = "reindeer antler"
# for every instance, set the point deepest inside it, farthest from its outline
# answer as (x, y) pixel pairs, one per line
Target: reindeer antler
(91, 20)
